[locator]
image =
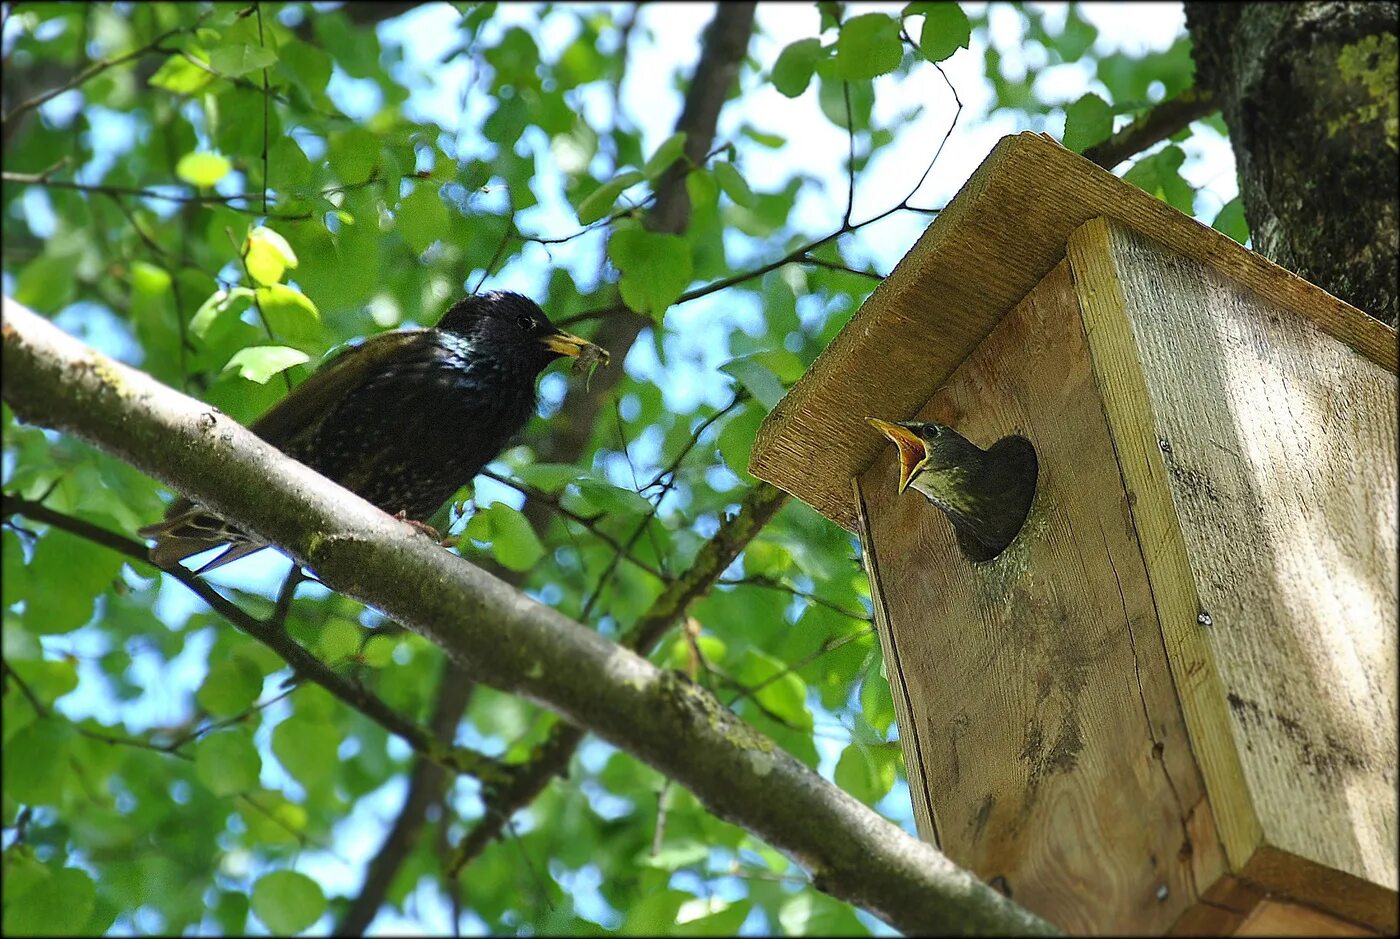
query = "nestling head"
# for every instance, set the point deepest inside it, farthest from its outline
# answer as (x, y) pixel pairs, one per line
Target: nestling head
(507, 320)
(926, 447)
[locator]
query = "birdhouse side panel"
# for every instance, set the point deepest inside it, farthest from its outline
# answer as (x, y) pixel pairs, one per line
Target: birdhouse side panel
(1277, 446)
(1042, 713)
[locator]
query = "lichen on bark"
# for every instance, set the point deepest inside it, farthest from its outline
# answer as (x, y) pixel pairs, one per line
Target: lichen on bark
(1308, 93)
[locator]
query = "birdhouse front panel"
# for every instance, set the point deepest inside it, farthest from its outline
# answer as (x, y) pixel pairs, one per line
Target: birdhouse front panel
(1264, 455)
(1169, 704)
(1043, 716)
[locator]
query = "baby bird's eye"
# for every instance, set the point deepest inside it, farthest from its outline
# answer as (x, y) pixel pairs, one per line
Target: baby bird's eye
(527, 323)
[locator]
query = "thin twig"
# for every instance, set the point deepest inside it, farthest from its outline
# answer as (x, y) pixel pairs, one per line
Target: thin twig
(95, 69)
(302, 662)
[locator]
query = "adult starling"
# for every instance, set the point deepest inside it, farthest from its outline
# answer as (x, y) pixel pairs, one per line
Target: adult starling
(986, 494)
(404, 419)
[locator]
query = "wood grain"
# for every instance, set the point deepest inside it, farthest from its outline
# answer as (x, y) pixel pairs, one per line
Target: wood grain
(1003, 232)
(1040, 700)
(1263, 456)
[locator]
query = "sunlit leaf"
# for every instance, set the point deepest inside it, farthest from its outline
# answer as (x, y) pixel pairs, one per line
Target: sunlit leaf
(287, 902)
(240, 59)
(268, 255)
(203, 169)
(259, 363)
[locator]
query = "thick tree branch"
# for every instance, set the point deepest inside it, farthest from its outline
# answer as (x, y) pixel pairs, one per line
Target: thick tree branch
(497, 634)
(1156, 125)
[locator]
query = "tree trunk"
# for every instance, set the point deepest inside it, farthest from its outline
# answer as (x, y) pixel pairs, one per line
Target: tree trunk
(1308, 91)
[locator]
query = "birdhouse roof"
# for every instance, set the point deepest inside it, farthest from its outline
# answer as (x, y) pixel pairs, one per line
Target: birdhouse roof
(1004, 231)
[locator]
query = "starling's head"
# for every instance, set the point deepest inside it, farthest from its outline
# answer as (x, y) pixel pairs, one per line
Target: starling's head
(509, 321)
(926, 447)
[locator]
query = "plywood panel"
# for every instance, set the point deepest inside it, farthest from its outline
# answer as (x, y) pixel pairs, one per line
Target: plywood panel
(1277, 447)
(998, 237)
(1039, 693)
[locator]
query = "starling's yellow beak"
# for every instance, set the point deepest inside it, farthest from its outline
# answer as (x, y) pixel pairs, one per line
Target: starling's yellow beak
(912, 452)
(562, 343)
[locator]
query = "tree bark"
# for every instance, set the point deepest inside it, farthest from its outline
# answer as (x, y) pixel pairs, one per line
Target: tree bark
(497, 634)
(1309, 93)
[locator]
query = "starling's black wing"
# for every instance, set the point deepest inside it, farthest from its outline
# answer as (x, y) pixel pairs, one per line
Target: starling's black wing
(318, 395)
(189, 528)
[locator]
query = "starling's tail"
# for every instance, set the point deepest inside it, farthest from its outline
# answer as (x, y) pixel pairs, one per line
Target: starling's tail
(184, 534)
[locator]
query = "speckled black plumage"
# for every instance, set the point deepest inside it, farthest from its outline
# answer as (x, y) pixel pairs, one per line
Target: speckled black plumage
(403, 420)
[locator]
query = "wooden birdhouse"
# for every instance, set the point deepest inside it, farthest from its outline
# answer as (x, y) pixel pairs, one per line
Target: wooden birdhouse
(1169, 705)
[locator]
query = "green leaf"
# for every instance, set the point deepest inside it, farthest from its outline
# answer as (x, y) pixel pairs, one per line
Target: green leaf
(1159, 175)
(240, 59)
(219, 301)
(259, 363)
(792, 72)
(48, 679)
(46, 284)
(513, 542)
(149, 280)
(271, 817)
(869, 45)
(287, 902)
(606, 497)
(736, 439)
(231, 687)
(655, 269)
(1230, 220)
(306, 748)
(227, 762)
(654, 914)
(58, 905)
(353, 155)
(292, 317)
(36, 762)
(750, 372)
(551, 477)
(203, 169)
(601, 200)
(178, 75)
(710, 917)
(733, 184)
(66, 575)
(677, 855)
(945, 29)
(669, 152)
(422, 217)
(268, 255)
(856, 775)
(1087, 121)
(781, 691)
(339, 639)
(379, 651)
(875, 702)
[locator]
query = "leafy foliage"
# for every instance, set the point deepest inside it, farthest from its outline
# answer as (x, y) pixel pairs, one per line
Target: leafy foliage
(251, 188)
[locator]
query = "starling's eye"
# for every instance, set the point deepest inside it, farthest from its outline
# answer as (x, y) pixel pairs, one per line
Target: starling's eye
(526, 323)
